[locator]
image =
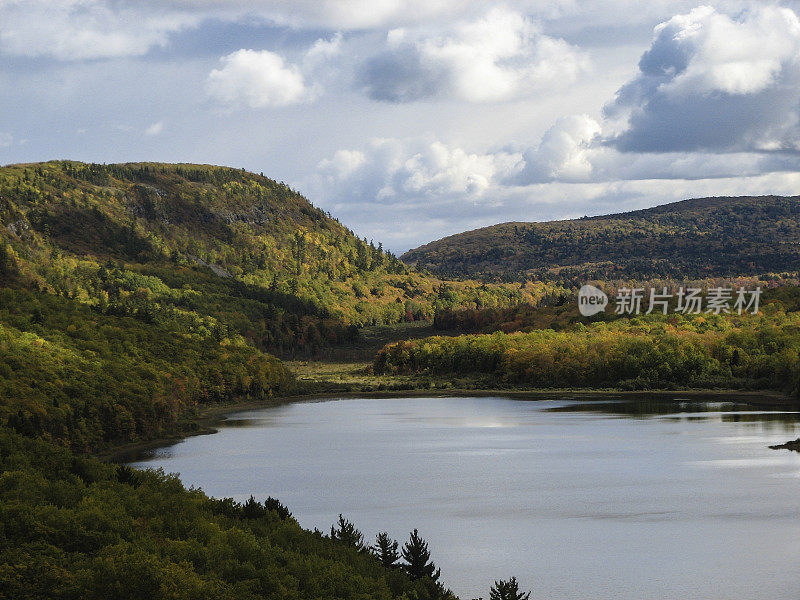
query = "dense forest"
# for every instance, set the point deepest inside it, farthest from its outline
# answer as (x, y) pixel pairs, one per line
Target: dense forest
(211, 250)
(76, 528)
(132, 297)
(699, 238)
(135, 296)
(673, 351)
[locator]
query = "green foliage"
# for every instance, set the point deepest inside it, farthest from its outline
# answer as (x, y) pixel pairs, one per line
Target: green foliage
(211, 250)
(656, 351)
(385, 550)
(86, 380)
(418, 558)
(345, 531)
(76, 528)
(708, 237)
(507, 590)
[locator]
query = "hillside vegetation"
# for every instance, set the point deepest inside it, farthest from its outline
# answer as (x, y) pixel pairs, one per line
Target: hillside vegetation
(134, 295)
(73, 528)
(210, 251)
(697, 239)
(131, 296)
(673, 351)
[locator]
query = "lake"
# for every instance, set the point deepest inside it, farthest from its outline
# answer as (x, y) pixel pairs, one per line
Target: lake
(617, 498)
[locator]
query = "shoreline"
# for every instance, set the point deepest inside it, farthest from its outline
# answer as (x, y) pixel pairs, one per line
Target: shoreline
(211, 416)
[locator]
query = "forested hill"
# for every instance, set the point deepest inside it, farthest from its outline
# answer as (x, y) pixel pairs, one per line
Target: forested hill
(216, 248)
(129, 294)
(698, 238)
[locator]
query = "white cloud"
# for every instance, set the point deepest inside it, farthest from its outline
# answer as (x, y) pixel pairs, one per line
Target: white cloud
(714, 81)
(260, 78)
(155, 129)
(377, 193)
(256, 79)
(85, 29)
(6, 139)
(323, 50)
(564, 152)
(336, 14)
(500, 56)
(392, 170)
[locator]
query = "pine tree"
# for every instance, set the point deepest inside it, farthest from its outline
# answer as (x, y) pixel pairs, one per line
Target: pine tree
(253, 509)
(385, 550)
(507, 590)
(345, 531)
(418, 558)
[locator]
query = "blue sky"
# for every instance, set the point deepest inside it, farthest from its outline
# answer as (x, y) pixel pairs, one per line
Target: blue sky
(411, 120)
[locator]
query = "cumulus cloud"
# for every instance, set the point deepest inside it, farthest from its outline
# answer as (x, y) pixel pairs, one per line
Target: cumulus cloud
(711, 81)
(323, 50)
(256, 79)
(260, 78)
(500, 56)
(86, 29)
(412, 170)
(564, 152)
(406, 189)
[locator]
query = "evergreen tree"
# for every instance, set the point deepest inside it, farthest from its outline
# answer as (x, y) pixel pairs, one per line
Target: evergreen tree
(253, 509)
(418, 558)
(507, 590)
(345, 531)
(385, 550)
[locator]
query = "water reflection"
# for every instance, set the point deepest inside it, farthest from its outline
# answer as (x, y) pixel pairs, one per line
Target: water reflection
(620, 497)
(682, 408)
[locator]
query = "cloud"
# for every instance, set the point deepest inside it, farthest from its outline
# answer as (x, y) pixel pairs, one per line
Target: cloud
(405, 190)
(337, 14)
(256, 79)
(85, 29)
(564, 152)
(155, 129)
(6, 139)
(261, 79)
(710, 81)
(500, 56)
(323, 50)
(393, 170)
(408, 192)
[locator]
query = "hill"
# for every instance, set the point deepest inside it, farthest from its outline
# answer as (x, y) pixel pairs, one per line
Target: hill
(213, 250)
(132, 294)
(692, 239)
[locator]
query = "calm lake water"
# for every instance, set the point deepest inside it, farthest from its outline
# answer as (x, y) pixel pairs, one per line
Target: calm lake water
(611, 499)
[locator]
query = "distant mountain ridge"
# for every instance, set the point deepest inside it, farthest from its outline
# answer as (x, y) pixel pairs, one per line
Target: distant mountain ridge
(695, 238)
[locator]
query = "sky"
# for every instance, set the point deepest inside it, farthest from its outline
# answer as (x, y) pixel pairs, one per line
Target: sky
(410, 120)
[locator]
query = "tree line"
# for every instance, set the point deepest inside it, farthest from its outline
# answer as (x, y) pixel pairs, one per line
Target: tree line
(652, 352)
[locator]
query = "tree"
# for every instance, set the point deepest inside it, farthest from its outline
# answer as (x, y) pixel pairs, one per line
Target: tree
(418, 558)
(253, 509)
(507, 590)
(385, 550)
(345, 531)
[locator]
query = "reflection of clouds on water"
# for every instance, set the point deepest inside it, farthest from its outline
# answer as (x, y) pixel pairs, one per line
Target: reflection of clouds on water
(466, 422)
(540, 488)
